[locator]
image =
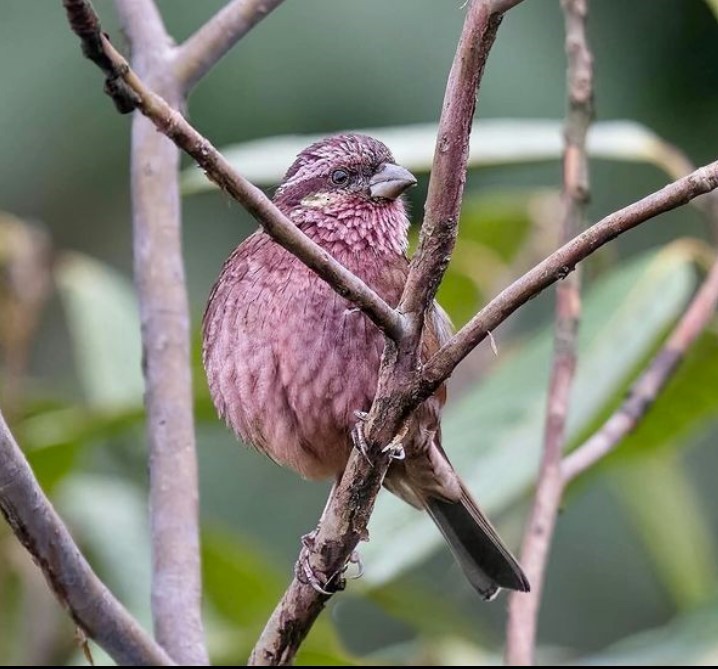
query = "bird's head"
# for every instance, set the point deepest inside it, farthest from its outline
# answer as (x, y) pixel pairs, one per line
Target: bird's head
(347, 187)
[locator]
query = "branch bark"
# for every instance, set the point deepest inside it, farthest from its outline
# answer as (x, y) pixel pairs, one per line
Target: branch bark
(448, 172)
(649, 385)
(164, 317)
(38, 527)
(342, 527)
(558, 265)
(172, 124)
(538, 535)
(202, 50)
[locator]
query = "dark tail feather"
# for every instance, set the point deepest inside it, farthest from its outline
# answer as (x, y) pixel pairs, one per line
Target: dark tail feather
(477, 547)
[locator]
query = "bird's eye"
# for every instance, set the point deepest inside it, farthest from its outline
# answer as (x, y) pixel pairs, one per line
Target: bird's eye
(340, 177)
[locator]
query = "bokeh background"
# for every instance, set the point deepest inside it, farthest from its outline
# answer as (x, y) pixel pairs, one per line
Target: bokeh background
(633, 574)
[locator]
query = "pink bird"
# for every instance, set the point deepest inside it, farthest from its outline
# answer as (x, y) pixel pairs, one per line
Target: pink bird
(290, 362)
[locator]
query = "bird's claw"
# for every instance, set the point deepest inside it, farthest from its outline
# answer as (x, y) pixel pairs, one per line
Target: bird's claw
(395, 450)
(355, 558)
(358, 438)
(306, 573)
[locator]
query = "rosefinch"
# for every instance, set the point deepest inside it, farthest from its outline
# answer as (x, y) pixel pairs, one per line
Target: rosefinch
(290, 362)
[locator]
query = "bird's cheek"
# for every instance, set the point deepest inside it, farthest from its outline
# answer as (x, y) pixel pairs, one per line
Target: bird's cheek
(316, 201)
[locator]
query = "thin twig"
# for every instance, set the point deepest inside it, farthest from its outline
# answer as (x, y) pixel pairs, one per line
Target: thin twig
(448, 173)
(171, 123)
(538, 535)
(646, 389)
(202, 50)
(165, 320)
(558, 265)
(91, 605)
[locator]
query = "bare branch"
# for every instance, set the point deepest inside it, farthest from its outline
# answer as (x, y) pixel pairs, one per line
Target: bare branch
(91, 605)
(342, 527)
(538, 535)
(649, 385)
(399, 391)
(448, 174)
(170, 122)
(503, 6)
(165, 321)
(164, 314)
(559, 264)
(142, 24)
(202, 50)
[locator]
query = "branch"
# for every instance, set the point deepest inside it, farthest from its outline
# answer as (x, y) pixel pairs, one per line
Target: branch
(399, 391)
(558, 265)
(141, 22)
(38, 527)
(171, 123)
(164, 314)
(341, 528)
(202, 50)
(448, 173)
(646, 389)
(538, 535)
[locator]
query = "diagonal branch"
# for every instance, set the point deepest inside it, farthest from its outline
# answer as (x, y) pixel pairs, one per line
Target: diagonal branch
(91, 605)
(345, 521)
(448, 173)
(341, 528)
(558, 265)
(538, 535)
(649, 385)
(171, 123)
(399, 392)
(202, 50)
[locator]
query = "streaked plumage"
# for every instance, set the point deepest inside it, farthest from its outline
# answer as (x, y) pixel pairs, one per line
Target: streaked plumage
(289, 361)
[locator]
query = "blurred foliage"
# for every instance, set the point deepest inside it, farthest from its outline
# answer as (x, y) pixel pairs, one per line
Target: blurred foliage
(632, 579)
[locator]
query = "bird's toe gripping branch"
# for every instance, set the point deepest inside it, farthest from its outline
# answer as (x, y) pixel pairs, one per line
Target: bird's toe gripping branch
(324, 584)
(358, 436)
(394, 448)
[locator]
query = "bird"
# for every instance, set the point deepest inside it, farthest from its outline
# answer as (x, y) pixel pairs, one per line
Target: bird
(290, 362)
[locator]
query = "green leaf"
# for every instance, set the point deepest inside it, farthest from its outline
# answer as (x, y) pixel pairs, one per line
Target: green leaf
(109, 517)
(493, 434)
(103, 320)
(495, 227)
(671, 521)
(498, 220)
(683, 405)
(713, 5)
(494, 142)
(691, 639)
(52, 438)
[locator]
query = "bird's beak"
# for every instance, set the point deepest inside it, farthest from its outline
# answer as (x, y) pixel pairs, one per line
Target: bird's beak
(390, 181)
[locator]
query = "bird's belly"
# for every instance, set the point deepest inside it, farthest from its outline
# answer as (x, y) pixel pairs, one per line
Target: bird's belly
(303, 376)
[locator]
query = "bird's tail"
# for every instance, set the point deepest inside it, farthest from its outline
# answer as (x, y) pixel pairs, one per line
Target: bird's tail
(477, 547)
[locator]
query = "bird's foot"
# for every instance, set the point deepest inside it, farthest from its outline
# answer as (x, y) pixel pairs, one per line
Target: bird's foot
(355, 558)
(358, 437)
(306, 573)
(395, 449)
